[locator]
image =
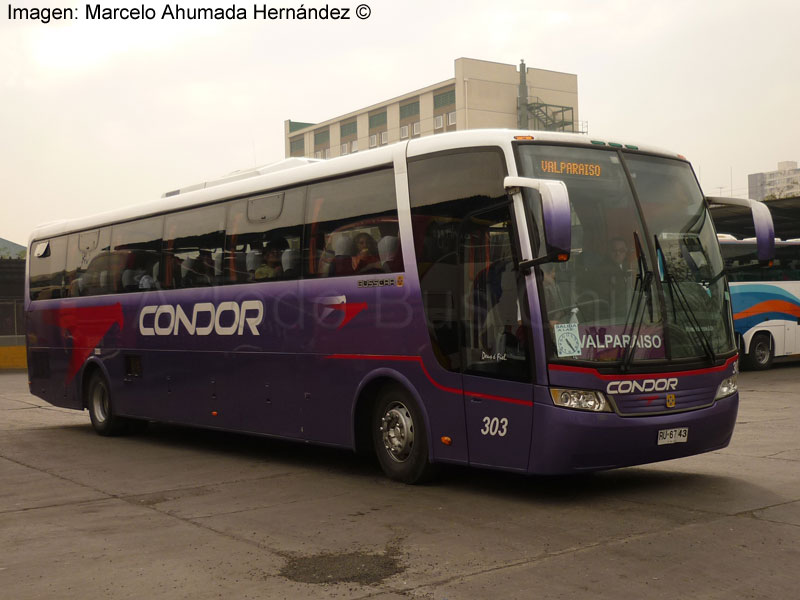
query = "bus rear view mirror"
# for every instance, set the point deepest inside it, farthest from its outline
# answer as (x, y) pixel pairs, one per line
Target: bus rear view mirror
(762, 222)
(555, 216)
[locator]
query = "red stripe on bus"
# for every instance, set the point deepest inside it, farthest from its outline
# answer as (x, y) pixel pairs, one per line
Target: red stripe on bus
(770, 306)
(418, 359)
(596, 373)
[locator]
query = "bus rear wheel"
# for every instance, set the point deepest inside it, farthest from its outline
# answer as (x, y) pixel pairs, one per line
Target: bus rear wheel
(101, 409)
(761, 352)
(399, 437)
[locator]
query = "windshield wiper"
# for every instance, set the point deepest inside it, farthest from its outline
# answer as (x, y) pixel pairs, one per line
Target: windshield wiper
(641, 296)
(678, 295)
(641, 293)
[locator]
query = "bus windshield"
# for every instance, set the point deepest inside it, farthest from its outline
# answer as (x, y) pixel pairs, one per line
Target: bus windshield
(644, 280)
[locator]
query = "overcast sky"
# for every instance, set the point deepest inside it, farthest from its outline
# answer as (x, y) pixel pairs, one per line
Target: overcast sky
(97, 114)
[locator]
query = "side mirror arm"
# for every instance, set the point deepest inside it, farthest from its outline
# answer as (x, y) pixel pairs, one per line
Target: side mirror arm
(556, 216)
(762, 222)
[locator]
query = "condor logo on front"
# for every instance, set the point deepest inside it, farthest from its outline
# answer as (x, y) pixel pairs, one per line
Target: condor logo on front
(228, 318)
(645, 385)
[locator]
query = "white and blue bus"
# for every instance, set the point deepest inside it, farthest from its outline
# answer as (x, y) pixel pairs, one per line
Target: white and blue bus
(765, 300)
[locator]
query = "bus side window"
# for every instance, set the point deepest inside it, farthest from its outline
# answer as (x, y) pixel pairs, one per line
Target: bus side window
(72, 273)
(347, 221)
(87, 263)
(47, 268)
(263, 237)
(135, 255)
(193, 248)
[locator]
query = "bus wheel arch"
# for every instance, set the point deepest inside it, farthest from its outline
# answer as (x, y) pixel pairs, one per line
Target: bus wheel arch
(97, 398)
(387, 394)
(760, 352)
(89, 369)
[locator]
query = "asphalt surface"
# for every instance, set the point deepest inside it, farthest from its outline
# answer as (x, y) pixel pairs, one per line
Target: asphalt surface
(183, 513)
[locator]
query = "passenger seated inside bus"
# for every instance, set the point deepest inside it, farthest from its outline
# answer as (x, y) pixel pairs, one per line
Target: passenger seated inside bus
(366, 257)
(271, 267)
(199, 272)
(138, 272)
(368, 246)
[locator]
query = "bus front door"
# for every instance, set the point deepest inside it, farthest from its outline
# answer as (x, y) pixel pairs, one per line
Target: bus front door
(496, 369)
(499, 418)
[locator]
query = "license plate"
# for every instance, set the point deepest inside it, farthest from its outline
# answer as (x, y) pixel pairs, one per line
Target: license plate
(678, 435)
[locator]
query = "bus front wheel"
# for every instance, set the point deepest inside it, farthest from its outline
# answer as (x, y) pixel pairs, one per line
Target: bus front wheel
(761, 352)
(399, 437)
(101, 409)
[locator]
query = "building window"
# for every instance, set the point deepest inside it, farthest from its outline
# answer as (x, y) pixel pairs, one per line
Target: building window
(322, 137)
(347, 129)
(377, 120)
(327, 152)
(296, 147)
(354, 146)
(444, 99)
(451, 118)
(415, 128)
(438, 122)
(318, 154)
(409, 110)
(373, 140)
(404, 132)
(384, 137)
(343, 149)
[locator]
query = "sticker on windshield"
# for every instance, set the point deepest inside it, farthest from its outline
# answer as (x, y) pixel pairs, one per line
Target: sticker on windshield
(568, 342)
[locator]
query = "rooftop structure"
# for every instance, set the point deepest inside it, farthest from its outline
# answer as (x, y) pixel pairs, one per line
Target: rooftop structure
(480, 95)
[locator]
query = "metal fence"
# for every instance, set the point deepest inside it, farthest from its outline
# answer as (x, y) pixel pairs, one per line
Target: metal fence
(12, 320)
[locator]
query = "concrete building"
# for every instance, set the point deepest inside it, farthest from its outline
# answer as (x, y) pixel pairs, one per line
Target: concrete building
(783, 183)
(481, 94)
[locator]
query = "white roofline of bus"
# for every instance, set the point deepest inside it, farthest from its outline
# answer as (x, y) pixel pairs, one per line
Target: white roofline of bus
(751, 240)
(281, 165)
(295, 171)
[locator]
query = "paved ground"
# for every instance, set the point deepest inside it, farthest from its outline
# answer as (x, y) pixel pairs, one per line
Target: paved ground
(177, 513)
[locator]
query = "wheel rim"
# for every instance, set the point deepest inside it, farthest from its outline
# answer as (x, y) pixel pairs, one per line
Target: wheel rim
(397, 431)
(761, 353)
(100, 403)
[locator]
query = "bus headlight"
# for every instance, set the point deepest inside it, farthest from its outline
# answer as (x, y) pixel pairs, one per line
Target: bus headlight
(580, 399)
(728, 386)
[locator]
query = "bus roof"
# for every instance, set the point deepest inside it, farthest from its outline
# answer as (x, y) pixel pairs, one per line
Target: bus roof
(292, 171)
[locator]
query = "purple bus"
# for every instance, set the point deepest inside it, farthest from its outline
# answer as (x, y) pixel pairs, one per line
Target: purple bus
(535, 302)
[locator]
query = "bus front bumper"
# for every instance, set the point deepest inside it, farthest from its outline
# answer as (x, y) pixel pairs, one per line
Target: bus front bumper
(573, 441)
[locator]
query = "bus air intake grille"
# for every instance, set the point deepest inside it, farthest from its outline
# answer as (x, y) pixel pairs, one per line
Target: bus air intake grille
(648, 404)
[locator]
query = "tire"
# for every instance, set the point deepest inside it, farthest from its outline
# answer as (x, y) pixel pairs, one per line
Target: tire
(101, 408)
(761, 352)
(400, 438)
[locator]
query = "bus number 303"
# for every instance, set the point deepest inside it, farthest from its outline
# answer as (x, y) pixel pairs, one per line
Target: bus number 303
(495, 426)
